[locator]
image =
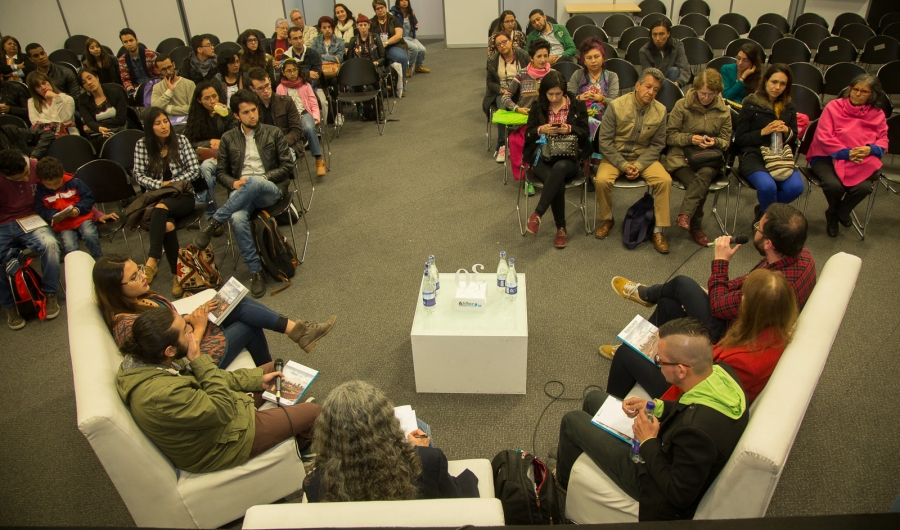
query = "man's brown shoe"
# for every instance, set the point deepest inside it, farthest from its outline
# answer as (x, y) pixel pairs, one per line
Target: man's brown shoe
(699, 237)
(422, 70)
(320, 167)
(604, 228)
(659, 242)
(683, 221)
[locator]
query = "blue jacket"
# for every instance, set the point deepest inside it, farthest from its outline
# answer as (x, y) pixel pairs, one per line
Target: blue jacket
(734, 89)
(73, 192)
(413, 21)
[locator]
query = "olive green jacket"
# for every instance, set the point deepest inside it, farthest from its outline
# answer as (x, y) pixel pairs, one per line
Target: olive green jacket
(689, 117)
(631, 134)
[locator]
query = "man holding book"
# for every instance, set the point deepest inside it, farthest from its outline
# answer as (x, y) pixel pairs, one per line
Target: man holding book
(684, 445)
(18, 181)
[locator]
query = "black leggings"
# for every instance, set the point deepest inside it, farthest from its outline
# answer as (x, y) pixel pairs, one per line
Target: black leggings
(554, 193)
(178, 207)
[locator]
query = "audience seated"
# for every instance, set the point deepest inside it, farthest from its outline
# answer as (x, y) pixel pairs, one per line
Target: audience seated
(330, 49)
(778, 237)
(846, 151)
(278, 110)
(364, 44)
(557, 35)
(752, 345)
(502, 67)
(521, 93)
(103, 112)
(554, 113)
(61, 77)
(295, 85)
(201, 64)
(344, 24)
(700, 121)
(310, 61)
(742, 77)
(14, 61)
(623, 154)
(17, 200)
(48, 108)
(100, 63)
(765, 112)
(14, 98)
(31, 142)
(507, 23)
(253, 53)
(385, 26)
(666, 53)
(309, 32)
(201, 417)
(406, 19)
(162, 159)
(377, 462)
(123, 294)
(684, 444)
(255, 163)
(231, 77)
(56, 191)
(174, 93)
(594, 84)
(138, 64)
(280, 42)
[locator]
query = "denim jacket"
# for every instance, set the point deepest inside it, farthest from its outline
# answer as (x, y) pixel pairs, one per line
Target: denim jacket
(332, 53)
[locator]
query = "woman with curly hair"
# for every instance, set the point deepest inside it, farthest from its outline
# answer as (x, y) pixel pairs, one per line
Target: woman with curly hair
(362, 455)
(253, 53)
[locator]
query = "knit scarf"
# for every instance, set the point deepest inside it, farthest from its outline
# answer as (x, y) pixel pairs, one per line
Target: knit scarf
(343, 27)
(538, 74)
(292, 84)
(203, 67)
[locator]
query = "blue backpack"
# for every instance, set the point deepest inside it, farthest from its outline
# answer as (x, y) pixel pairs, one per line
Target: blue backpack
(639, 222)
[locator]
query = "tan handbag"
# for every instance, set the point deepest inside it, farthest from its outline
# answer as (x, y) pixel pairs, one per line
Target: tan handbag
(330, 70)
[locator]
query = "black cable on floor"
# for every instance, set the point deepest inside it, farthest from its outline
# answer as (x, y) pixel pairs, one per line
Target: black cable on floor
(554, 399)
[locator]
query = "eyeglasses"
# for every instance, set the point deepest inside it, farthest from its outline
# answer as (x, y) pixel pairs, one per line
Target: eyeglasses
(167, 68)
(207, 45)
(742, 60)
(706, 95)
(663, 363)
(501, 42)
(290, 71)
(861, 92)
(139, 276)
(263, 88)
(756, 227)
(252, 40)
(207, 99)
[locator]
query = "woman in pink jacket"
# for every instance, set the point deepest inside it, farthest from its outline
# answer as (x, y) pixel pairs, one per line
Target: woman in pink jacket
(846, 151)
(295, 83)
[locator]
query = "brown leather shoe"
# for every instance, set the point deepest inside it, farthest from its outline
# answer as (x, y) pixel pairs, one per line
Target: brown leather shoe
(534, 223)
(699, 237)
(683, 221)
(320, 167)
(422, 70)
(659, 242)
(604, 228)
(560, 240)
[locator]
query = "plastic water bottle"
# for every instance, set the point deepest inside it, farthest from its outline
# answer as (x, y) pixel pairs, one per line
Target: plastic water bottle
(776, 142)
(428, 292)
(512, 280)
(435, 275)
(635, 445)
(502, 269)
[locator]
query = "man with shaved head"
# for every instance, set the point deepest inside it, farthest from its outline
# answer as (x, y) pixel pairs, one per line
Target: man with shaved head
(684, 445)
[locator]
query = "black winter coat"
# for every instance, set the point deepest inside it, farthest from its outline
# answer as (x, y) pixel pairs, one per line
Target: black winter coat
(755, 115)
(577, 118)
(493, 77)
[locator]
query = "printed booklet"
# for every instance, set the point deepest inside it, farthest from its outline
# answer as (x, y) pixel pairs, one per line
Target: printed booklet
(612, 419)
(642, 336)
(294, 384)
(228, 296)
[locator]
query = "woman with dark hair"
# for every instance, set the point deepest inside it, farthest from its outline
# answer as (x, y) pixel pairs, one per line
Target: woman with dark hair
(99, 62)
(208, 119)
(507, 22)
(406, 18)
(752, 346)
(123, 292)
(329, 46)
(363, 455)
(295, 84)
(554, 113)
(14, 60)
(344, 24)
(742, 77)
(162, 158)
(502, 67)
(231, 75)
(766, 115)
(846, 151)
(253, 53)
(49, 109)
(593, 84)
(101, 113)
(666, 53)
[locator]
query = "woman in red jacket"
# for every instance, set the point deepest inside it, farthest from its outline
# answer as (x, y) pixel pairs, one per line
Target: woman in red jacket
(752, 346)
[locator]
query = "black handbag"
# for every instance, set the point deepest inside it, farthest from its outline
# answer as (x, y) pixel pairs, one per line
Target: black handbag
(699, 157)
(560, 146)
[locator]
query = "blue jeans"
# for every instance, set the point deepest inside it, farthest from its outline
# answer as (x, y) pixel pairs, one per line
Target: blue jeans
(426, 429)
(769, 190)
(256, 193)
(208, 172)
(672, 74)
(395, 54)
(43, 241)
(89, 234)
(308, 124)
(416, 52)
(244, 329)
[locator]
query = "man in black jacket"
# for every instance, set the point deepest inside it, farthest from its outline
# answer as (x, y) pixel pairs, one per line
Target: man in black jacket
(684, 445)
(14, 99)
(255, 162)
(63, 78)
(201, 64)
(31, 142)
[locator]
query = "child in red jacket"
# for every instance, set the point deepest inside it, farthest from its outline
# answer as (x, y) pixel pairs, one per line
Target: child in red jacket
(59, 190)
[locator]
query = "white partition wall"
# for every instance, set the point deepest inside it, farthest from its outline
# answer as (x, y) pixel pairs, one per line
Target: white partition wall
(211, 16)
(34, 21)
(153, 21)
(467, 22)
(256, 14)
(360, 6)
(430, 14)
(313, 9)
(100, 19)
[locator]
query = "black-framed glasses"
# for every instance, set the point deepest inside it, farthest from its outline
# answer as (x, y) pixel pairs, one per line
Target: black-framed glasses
(664, 363)
(252, 40)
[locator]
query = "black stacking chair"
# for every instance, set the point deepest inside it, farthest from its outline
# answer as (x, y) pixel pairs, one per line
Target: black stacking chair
(179, 54)
(227, 49)
(735, 46)
(844, 19)
(736, 21)
(776, 20)
(629, 35)
(719, 35)
(892, 30)
(698, 53)
(669, 94)
(628, 74)
(789, 51)
(838, 77)
(108, 182)
(887, 20)
(651, 6)
(717, 63)
(76, 43)
(65, 56)
(9, 119)
(120, 148)
(167, 45)
(609, 50)
(806, 101)
(858, 34)
(682, 32)
(811, 34)
(653, 17)
(585, 32)
(765, 34)
(889, 75)
(880, 49)
(835, 50)
(694, 6)
(577, 21)
(808, 75)
(810, 18)
(615, 24)
(697, 22)
(212, 39)
(633, 55)
(72, 151)
(566, 69)
(358, 73)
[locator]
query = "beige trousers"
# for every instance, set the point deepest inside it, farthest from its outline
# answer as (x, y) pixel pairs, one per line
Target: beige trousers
(655, 175)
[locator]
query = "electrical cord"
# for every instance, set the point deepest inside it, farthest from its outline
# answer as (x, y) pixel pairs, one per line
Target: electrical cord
(554, 399)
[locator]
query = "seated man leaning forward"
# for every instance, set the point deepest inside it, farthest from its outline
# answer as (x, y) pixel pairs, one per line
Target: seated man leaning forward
(199, 416)
(778, 237)
(255, 162)
(684, 445)
(631, 136)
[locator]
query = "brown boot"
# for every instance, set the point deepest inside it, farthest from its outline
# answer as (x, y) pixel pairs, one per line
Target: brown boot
(176, 287)
(306, 334)
(150, 273)
(320, 167)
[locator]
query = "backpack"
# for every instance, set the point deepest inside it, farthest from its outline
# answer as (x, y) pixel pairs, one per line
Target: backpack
(277, 257)
(26, 288)
(639, 222)
(196, 270)
(289, 216)
(525, 489)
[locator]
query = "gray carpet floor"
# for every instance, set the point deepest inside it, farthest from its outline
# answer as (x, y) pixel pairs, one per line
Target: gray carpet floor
(429, 187)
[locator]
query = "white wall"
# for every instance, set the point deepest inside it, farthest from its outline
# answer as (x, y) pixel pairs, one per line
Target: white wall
(313, 9)
(20, 19)
(153, 22)
(522, 7)
(211, 16)
(100, 19)
(257, 14)
(468, 21)
(430, 14)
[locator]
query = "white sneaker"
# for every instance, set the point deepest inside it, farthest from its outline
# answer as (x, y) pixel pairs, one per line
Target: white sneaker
(339, 120)
(501, 155)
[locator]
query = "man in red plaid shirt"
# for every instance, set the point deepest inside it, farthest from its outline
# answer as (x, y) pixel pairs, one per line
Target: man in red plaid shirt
(778, 236)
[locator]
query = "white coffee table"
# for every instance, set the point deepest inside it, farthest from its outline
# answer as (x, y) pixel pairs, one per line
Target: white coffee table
(471, 353)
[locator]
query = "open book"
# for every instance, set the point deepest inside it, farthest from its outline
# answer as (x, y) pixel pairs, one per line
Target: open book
(62, 214)
(228, 296)
(642, 336)
(294, 384)
(31, 223)
(612, 419)
(407, 417)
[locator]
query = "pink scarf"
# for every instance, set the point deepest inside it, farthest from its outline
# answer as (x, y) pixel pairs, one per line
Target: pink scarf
(843, 125)
(292, 84)
(538, 74)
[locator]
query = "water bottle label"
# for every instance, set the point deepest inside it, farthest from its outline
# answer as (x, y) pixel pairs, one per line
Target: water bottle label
(635, 446)
(511, 289)
(428, 299)
(501, 282)
(437, 286)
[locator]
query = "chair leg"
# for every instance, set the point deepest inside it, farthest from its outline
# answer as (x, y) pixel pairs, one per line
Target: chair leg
(715, 210)
(587, 227)
(737, 207)
(861, 227)
(506, 162)
(381, 125)
(488, 132)
(312, 184)
(143, 250)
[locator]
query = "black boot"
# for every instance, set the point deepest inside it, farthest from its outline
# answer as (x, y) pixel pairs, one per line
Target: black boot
(203, 238)
(257, 284)
(831, 224)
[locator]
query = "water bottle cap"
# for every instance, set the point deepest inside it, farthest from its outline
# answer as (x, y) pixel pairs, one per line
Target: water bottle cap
(502, 253)
(426, 271)
(512, 260)
(431, 257)
(651, 405)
